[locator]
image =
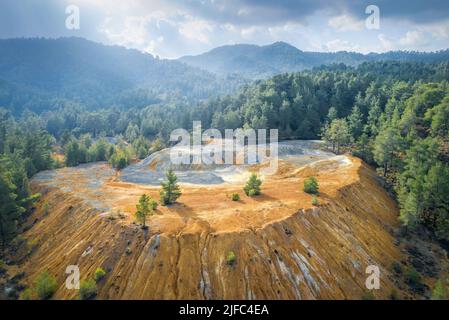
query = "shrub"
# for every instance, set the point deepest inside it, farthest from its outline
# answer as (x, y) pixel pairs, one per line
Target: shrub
(368, 296)
(45, 208)
(394, 295)
(231, 258)
(119, 159)
(439, 292)
(315, 201)
(26, 294)
(235, 197)
(88, 289)
(2, 267)
(252, 187)
(99, 274)
(45, 285)
(413, 278)
(311, 185)
(397, 267)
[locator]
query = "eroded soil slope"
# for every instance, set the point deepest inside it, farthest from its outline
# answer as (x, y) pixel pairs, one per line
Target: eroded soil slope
(285, 248)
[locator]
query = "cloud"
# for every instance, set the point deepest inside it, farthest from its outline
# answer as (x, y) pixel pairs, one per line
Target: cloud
(340, 45)
(412, 39)
(172, 28)
(346, 22)
(199, 30)
(439, 30)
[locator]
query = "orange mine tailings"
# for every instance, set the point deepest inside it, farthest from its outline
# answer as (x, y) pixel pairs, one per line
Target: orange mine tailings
(285, 247)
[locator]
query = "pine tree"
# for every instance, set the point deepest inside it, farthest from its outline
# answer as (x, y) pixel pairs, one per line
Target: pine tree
(252, 187)
(337, 133)
(355, 121)
(145, 208)
(170, 189)
(332, 114)
(72, 154)
(386, 145)
(10, 211)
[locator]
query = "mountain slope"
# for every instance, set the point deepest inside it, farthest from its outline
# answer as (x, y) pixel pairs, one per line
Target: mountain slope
(97, 75)
(262, 61)
(285, 248)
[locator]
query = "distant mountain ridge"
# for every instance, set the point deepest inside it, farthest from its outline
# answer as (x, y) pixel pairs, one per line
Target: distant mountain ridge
(263, 61)
(96, 75)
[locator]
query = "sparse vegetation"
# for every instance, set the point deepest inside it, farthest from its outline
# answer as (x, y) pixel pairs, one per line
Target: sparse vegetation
(170, 189)
(413, 278)
(311, 185)
(440, 291)
(88, 289)
(315, 201)
(394, 295)
(45, 285)
(397, 268)
(45, 208)
(368, 296)
(99, 274)
(252, 187)
(120, 158)
(231, 258)
(235, 197)
(26, 294)
(2, 267)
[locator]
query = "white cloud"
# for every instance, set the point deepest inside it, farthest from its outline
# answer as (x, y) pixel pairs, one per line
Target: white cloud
(196, 30)
(174, 28)
(411, 40)
(439, 30)
(340, 45)
(131, 32)
(345, 23)
(414, 39)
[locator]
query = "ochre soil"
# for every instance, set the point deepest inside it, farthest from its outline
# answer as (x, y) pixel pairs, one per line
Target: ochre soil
(285, 247)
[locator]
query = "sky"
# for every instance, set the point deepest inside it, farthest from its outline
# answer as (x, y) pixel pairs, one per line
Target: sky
(174, 28)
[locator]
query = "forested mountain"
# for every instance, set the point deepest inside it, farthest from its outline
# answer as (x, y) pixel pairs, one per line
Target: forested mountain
(392, 114)
(49, 72)
(262, 61)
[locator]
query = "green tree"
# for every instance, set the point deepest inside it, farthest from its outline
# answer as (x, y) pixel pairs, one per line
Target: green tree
(252, 187)
(332, 115)
(145, 208)
(386, 145)
(119, 158)
(311, 185)
(45, 285)
(72, 153)
(10, 210)
(337, 134)
(170, 189)
(355, 122)
(412, 181)
(436, 200)
(88, 289)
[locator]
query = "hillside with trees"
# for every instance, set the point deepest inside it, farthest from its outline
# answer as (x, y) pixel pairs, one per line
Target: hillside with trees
(394, 115)
(258, 62)
(40, 74)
